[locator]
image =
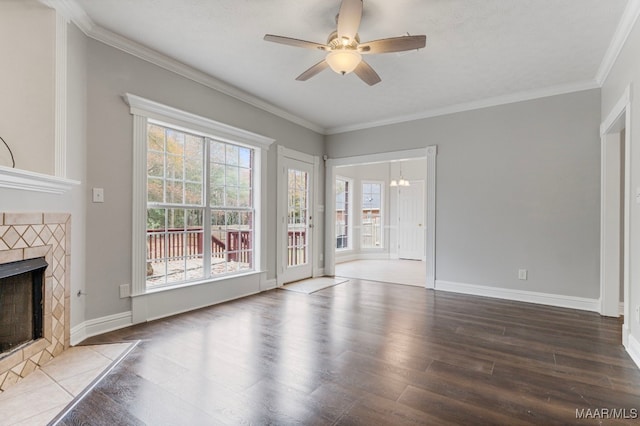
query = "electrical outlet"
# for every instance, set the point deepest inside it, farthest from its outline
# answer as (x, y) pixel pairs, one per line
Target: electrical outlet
(124, 291)
(522, 274)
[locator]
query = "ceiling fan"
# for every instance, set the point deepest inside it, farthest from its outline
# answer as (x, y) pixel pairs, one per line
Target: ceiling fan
(345, 49)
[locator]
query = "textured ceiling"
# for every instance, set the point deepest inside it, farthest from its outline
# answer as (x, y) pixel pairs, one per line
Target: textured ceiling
(476, 49)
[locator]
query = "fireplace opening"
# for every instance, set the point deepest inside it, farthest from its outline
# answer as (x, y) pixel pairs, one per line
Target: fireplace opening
(21, 303)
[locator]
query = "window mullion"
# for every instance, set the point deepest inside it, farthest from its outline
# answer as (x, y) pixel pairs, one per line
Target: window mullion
(206, 215)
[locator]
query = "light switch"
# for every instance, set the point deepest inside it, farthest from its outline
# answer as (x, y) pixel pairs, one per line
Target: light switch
(98, 195)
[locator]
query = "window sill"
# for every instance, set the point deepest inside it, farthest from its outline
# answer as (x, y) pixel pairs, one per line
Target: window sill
(224, 279)
(172, 300)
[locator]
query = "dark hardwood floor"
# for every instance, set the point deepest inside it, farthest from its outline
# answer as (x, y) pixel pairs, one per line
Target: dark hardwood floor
(367, 353)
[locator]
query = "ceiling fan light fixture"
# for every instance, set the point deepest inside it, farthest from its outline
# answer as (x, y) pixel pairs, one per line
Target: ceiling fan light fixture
(344, 49)
(343, 61)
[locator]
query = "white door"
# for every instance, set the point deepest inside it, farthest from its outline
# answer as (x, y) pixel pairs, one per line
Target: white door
(411, 221)
(297, 238)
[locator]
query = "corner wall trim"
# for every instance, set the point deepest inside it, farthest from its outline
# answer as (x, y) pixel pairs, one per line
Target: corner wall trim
(633, 348)
(548, 299)
(96, 326)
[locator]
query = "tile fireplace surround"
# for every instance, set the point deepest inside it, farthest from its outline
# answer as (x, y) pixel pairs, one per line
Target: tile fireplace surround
(31, 235)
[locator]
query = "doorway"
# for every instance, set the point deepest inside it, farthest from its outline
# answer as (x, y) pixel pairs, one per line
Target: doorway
(334, 166)
(615, 133)
(296, 189)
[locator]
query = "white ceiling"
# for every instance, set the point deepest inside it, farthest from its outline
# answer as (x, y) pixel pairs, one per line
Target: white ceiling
(477, 50)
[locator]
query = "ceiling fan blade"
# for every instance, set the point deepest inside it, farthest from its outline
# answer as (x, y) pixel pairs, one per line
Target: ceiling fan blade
(295, 42)
(367, 74)
(349, 18)
(394, 44)
(320, 66)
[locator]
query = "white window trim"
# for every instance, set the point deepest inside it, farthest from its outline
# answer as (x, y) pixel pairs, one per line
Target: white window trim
(143, 110)
(350, 241)
(382, 213)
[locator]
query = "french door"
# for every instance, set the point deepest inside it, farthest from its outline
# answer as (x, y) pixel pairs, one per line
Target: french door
(411, 220)
(296, 211)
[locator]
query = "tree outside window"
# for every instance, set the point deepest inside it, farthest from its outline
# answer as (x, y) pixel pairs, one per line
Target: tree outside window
(199, 225)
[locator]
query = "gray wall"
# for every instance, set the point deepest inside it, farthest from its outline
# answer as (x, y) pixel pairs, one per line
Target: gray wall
(112, 73)
(518, 186)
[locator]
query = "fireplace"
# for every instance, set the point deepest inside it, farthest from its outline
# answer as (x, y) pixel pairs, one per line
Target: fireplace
(35, 238)
(21, 303)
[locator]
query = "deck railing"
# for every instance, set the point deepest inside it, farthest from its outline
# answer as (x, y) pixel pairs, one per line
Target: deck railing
(237, 246)
(297, 253)
(179, 244)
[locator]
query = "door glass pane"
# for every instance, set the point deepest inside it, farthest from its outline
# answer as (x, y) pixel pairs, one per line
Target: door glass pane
(343, 211)
(297, 213)
(371, 220)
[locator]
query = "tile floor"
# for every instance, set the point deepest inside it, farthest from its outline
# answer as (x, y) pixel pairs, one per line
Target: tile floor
(408, 272)
(43, 394)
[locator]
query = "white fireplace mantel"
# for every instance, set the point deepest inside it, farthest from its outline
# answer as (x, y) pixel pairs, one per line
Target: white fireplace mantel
(32, 181)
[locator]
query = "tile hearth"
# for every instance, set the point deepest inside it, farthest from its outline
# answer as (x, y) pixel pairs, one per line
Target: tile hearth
(27, 236)
(39, 398)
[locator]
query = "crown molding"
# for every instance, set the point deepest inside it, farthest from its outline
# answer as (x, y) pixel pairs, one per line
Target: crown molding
(625, 26)
(74, 12)
(469, 106)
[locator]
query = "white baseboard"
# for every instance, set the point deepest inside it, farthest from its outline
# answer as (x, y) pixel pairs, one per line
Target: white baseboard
(625, 335)
(346, 258)
(101, 325)
(268, 284)
(633, 346)
(559, 300)
(318, 272)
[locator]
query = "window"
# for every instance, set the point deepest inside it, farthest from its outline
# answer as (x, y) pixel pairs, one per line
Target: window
(371, 218)
(198, 208)
(343, 213)
(200, 214)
